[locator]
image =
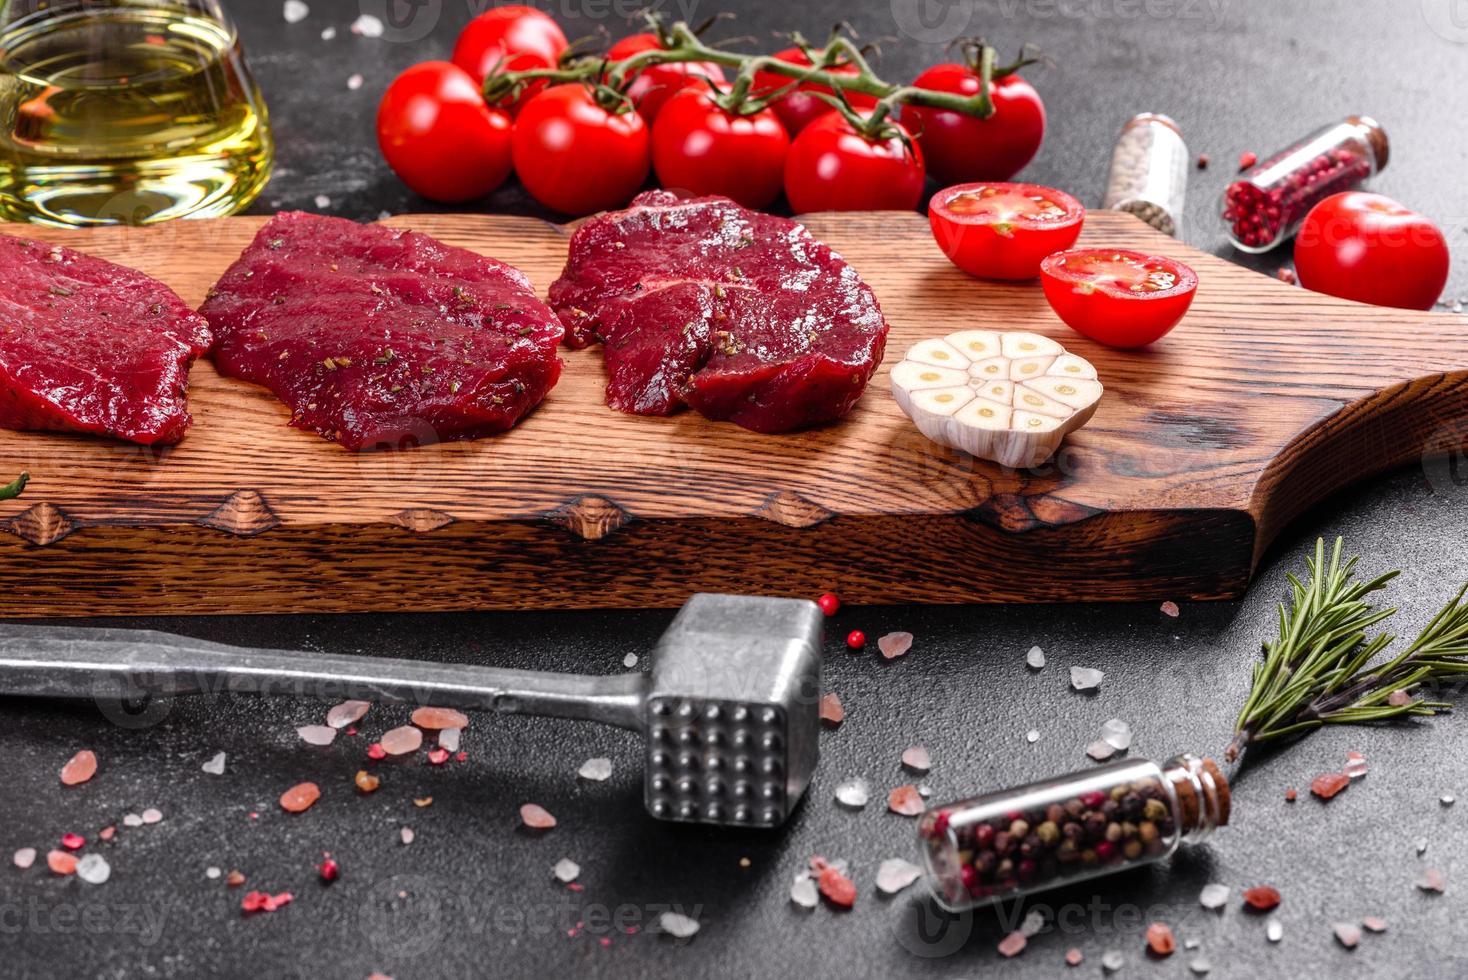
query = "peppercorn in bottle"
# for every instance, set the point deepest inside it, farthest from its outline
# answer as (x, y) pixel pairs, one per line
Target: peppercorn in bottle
(1009, 843)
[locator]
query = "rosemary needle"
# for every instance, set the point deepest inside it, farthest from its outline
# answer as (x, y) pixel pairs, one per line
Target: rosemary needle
(1323, 667)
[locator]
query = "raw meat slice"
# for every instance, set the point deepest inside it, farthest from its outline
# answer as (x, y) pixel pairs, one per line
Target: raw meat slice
(739, 315)
(382, 338)
(89, 346)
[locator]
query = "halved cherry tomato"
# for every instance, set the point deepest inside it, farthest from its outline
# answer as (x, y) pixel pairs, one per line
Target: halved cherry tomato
(656, 84)
(439, 136)
(800, 108)
(575, 156)
(521, 37)
(697, 146)
(1371, 249)
(960, 147)
(832, 167)
(1003, 231)
(1116, 297)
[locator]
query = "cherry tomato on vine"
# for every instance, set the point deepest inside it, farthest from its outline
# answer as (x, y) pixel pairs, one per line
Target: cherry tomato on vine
(439, 136)
(832, 167)
(962, 148)
(576, 156)
(512, 38)
(656, 84)
(1371, 249)
(800, 108)
(699, 146)
(1116, 297)
(1003, 231)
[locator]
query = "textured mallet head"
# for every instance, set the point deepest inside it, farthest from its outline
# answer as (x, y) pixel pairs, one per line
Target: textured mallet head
(733, 711)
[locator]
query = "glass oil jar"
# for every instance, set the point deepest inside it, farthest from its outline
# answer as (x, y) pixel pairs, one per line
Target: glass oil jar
(126, 112)
(1149, 172)
(1058, 831)
(1268, 203)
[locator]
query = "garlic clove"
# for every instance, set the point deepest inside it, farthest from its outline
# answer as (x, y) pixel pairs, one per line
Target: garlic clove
(999, 391)
(942, 401)
(1030, 422)
(996, 368)
(938, 353)
(976, 345)
(914, 376)
(1070, 366)
(1075, 393)
(1017, 345)
(985, 414)
(1029, 367)
(1030, 400)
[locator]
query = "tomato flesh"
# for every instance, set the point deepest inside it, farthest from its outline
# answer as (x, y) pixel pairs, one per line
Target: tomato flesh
(1371, 249)
(1003, 231)
(1117, 297)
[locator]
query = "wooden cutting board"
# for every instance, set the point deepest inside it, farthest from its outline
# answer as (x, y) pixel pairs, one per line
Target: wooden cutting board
(1265, 400)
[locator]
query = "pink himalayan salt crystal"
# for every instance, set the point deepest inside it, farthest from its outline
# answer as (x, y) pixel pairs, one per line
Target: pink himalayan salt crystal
(300, 797)
(317, 734)
(1374, 923)
(25, 857)
(832, 711)
(152, 815)
(1431, 880)
(536, 817)
(79, 768)
(1347, 934)
(1169, 608)
(448, 738)
(906, 801)
(439, 718)
(61, 863)
(1074, 957)
(1355, 766)
(407, 835)
(1013, 944)
(1399, 699)
(894, 645)
(347, 713)
(401, 741)
(916, 758)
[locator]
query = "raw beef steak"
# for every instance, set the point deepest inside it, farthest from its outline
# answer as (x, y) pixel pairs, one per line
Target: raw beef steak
(88, 346)
(737, 314)
(380, 338)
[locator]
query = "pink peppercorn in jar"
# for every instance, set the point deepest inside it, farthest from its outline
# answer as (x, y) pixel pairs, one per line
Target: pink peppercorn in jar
(1267, 204)
(1058, 831)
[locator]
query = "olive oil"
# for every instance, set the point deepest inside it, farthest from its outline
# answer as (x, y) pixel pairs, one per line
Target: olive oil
(130, 113)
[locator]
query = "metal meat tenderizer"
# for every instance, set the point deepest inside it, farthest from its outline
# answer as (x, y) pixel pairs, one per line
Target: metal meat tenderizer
(730, 707)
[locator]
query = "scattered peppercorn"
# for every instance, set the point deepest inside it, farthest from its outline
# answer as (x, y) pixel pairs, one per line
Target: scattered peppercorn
(829, 603)
(856, 639)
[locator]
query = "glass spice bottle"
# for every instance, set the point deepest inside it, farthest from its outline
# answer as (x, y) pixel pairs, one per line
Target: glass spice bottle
(1013, 842)
(1149, 172)
(1268, 203)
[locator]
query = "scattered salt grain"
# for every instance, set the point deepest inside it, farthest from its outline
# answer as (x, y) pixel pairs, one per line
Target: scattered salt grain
(1117, 734)
(1034, 922)
(597, 770)
(566, 870)
(317, 734)
(1214, 896)
(1432, 880)
(1032, 736)
(630, 660)
(367, 26)
(1347, 934)
(924, 790)
(1273, 931)
(1013, 944)
(93, 869)
(212, 873)
(895, 874)
(354, 82)
(853, 793)
(1355, 766)
(1074, 957)
(536, 817)
(916, 759)
(132, 820)
(407, 835)
(803, 891)
(1399, 699)
(905, 801)
(152, 815)
(437, 719)
(1035, 659)
(328, 33)
(1112, 960)
(1421, 845)
(1169, 608)
(831, 710)
(402, 740)
(1447, 799)
(347, 713)
(677, 925)
(1191, 943)
(215, 766)
(1200, 965)
(295, 11)
(322, 202)
(1086, 679)
(25, 857)
(448, 739)
(894, 645)
(1373, 923)
(79, 768)
(1100, 751)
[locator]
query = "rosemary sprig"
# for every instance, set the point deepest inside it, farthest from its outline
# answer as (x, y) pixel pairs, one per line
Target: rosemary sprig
(1321, 669)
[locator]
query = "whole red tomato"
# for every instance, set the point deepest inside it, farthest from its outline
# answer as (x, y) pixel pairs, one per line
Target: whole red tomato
(832, 167)
(512, 38)
(574, 155)
(800, 108)
(700, 147)
(656, 84)
(961, 148)
(1371, 249)
(439, 136)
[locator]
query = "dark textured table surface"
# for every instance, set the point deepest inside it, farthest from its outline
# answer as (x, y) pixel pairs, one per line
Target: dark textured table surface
(473, 896)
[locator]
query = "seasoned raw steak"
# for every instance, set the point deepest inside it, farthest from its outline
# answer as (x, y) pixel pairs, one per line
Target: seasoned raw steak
(88, 346)
(740, 315)
(382, 338)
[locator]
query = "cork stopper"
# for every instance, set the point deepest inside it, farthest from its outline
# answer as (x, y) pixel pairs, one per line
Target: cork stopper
(1375, 137)
(1203, 795)
(1154, 117)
